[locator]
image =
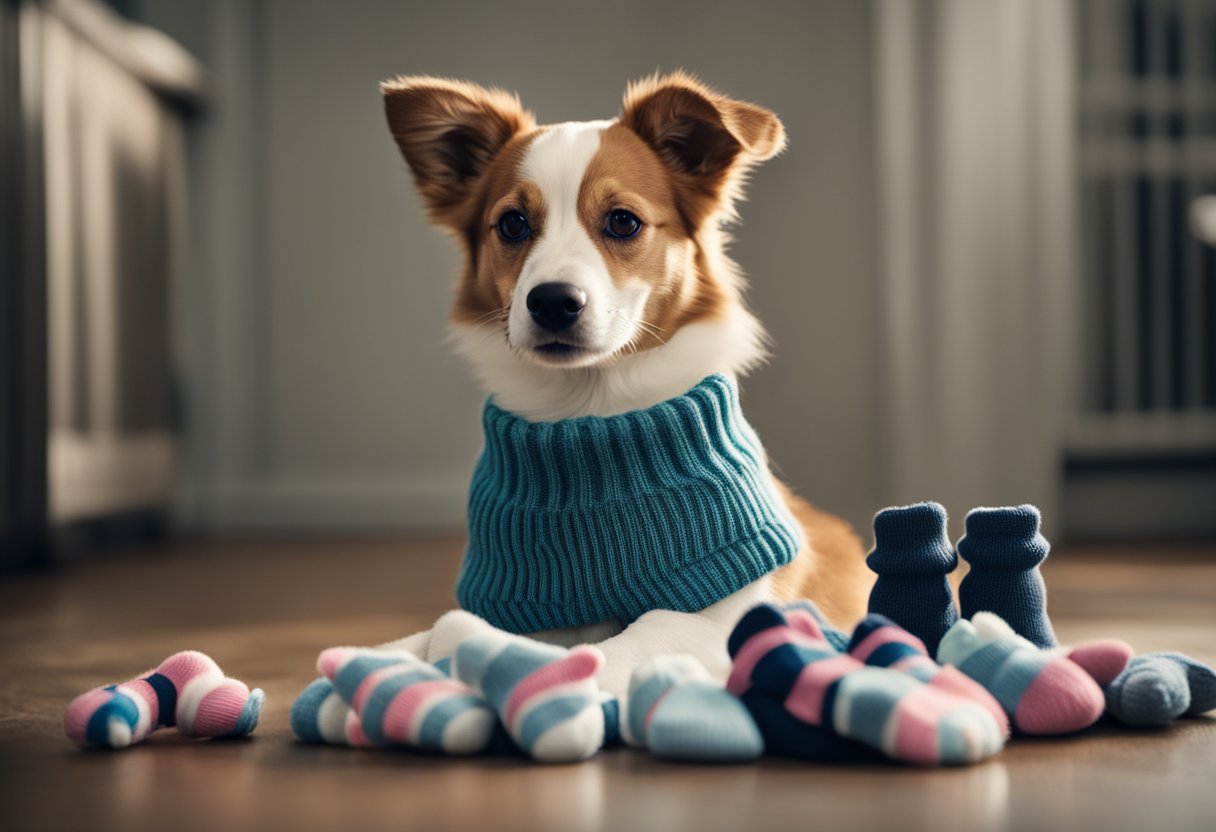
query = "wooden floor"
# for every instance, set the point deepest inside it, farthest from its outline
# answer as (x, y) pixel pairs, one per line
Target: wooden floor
(264, 609)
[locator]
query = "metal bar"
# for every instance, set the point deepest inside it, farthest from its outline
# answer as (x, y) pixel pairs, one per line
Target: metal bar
(23, 359)
(1197, 19)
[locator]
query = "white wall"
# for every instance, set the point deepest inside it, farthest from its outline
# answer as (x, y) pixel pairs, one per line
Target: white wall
(912, 252)
(320, 392)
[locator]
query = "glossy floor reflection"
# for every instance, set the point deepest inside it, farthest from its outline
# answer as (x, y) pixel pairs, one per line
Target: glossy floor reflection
(263, 610)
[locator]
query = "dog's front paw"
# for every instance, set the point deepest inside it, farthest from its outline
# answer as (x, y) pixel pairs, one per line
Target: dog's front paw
(451, 629)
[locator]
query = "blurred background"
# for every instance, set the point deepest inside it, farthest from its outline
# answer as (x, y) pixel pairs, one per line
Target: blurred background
(986, 258)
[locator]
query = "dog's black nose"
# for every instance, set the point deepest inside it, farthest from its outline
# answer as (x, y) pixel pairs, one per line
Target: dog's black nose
(556, 306)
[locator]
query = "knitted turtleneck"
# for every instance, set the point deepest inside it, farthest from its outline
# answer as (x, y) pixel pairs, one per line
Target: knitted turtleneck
(598, 518)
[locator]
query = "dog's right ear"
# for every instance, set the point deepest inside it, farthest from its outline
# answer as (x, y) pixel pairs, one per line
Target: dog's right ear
(448, 132)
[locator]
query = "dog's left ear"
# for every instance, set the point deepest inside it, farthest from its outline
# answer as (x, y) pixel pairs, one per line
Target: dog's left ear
(704, 138)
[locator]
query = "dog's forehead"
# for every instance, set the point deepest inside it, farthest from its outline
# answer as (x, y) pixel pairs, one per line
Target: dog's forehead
(558, 158)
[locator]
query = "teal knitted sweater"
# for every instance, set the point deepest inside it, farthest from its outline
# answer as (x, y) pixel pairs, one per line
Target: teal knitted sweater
(597, 518)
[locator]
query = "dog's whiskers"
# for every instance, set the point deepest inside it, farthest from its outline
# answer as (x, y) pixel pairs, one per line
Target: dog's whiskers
(650, 329)
(501, 313)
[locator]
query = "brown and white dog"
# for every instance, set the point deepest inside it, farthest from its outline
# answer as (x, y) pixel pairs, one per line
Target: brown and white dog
(596, 282)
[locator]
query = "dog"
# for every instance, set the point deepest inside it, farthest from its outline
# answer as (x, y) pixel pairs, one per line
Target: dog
(596, 282)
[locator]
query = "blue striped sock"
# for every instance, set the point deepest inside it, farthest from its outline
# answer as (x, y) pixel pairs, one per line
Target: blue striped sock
(319, 715)
(884, 709)
(794, 609)
(546, 696)
(1157, 688)
(676, 711)
(398, 699)
(1043, 692)
(784, 734)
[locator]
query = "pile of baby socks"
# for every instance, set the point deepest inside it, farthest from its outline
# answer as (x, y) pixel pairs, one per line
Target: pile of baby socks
(187, 690)
(798, 687)
(544, 698)
(394, 698)
(791, 678)
(1005, 640)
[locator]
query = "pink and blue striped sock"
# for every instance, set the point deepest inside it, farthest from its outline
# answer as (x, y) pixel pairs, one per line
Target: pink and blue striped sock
(677, 712)
(785, 735)
(880, 642)
(546, 696)
(888, 711)
(395, 698)
(319, 714)
(1042, 691)
(797, 612)
(187, 690)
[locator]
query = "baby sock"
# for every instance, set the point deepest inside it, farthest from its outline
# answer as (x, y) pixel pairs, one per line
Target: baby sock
(1157, 688)
(912, 557)
(1043, 692)
(798, 612)
(546, 696)
(319, 715)
(879, 642)
(783, 733)
(887, 710)
(1103, 660)
(395, 698)
(188, 690)
(1004, 548)
(677, 711)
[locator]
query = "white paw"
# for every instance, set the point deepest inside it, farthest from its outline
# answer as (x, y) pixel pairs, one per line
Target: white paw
(451, 629)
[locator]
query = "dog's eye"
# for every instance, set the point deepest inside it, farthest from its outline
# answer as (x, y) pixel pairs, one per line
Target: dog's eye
(513, 227)
(622, 225)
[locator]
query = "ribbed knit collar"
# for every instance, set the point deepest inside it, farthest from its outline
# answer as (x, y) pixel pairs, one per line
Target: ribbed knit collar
(594, 518)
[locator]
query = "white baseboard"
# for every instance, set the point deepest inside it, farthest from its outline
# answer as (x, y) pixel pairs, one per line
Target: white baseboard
(424, 503)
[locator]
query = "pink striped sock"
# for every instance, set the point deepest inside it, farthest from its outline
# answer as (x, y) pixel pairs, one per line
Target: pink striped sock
(188, 690)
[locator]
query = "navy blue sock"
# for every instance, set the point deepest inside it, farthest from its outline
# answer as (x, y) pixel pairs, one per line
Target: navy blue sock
(1004, 548)
(912, 557)
(784, 734)
(787, 736)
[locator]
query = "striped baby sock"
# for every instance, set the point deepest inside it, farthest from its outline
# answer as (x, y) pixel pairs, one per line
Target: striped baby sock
(879, 642)
(546, 696)
(1004, 549)
(395, 698)
(1042, 691)
(783, 733)
(1157, 688)
(319, 714)
(804, 616)
(884, 709)
(188, 690)
(676, 711)
(912, 557)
